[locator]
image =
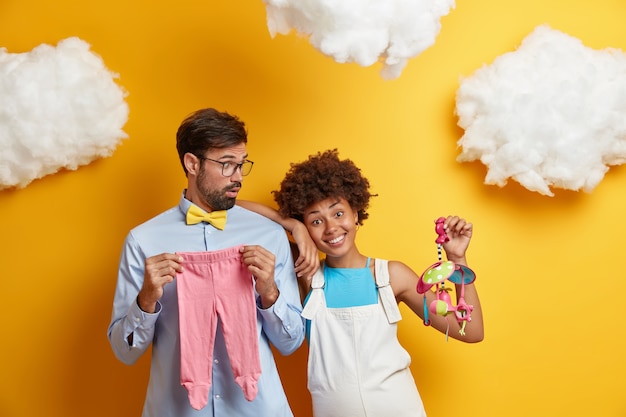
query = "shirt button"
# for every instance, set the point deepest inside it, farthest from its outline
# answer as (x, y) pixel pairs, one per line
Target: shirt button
(217, 397)
(216, 361)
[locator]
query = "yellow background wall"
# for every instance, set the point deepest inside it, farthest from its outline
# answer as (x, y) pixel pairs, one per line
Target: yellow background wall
(549, 269)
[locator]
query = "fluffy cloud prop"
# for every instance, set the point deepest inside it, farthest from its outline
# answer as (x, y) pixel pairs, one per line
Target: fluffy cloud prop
(550, 114)
(362, 31)
(60, 108)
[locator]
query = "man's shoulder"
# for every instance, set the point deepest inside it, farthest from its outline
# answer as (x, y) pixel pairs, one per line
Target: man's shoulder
(256, 227)
(258, 219)
(163, 219)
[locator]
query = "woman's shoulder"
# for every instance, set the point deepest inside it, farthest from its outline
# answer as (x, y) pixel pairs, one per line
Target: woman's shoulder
(400, 274)
(394, 265)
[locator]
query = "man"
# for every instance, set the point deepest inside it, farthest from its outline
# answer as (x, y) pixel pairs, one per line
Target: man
(148, 310)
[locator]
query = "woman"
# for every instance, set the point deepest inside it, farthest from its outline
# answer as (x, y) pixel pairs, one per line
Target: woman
(356, 365)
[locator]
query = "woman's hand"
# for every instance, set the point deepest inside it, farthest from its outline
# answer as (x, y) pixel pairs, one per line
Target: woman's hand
(460, 233)
(308, 260)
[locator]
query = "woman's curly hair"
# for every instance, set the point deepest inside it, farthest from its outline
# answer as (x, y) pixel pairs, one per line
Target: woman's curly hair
(320, 177)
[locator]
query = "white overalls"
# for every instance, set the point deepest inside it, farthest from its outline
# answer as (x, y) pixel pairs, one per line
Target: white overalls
(357, 367)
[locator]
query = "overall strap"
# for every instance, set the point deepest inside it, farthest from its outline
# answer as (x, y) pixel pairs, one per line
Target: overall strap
(385, 291)
(316, 299)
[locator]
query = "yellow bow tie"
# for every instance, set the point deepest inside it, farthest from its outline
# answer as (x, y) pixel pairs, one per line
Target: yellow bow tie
(196, 215)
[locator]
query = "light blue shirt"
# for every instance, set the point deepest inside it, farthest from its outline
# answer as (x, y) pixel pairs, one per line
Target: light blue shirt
(281, 325)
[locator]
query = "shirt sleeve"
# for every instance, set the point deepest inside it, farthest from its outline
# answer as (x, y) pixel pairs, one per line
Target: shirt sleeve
(131, 330)
(282, 322)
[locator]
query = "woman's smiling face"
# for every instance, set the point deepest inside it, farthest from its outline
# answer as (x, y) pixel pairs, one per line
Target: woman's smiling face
(332, 225)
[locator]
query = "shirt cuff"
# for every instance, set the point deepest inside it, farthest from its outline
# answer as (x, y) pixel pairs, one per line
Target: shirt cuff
(279, 313)
(140, 318)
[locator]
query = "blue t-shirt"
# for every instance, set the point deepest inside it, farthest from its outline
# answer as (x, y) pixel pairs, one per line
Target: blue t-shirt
(347, 287)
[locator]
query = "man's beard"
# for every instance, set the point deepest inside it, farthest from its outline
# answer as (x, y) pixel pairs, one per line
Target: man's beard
(216, 199)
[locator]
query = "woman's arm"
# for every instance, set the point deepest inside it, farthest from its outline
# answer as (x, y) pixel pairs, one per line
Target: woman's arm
(306, 256)
(404, 281)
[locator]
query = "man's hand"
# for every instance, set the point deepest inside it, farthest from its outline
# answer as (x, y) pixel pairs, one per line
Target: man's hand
(160, 270)
(261, 263)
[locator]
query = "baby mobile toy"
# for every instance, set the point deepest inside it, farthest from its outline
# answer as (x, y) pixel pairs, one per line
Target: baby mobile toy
(436, 275)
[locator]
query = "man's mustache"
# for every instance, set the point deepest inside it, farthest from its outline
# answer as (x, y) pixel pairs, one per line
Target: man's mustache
(233, 185)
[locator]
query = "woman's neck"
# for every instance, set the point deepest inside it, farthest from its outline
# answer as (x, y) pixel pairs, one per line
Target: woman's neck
(353, 260)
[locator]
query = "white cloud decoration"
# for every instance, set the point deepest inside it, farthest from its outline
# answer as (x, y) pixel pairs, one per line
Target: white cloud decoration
(551, 114)
(362, 31)
(60, 108)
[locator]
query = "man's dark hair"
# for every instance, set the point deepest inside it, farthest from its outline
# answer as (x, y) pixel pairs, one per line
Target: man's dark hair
(207, 129)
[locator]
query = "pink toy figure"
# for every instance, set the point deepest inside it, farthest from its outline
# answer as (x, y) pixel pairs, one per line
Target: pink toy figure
(442, 236)
(443, 306)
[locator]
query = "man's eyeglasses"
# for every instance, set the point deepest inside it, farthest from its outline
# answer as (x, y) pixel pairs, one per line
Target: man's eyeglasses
(229, 168)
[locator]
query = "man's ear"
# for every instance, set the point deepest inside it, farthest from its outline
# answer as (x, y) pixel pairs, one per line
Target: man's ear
(192, 163)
